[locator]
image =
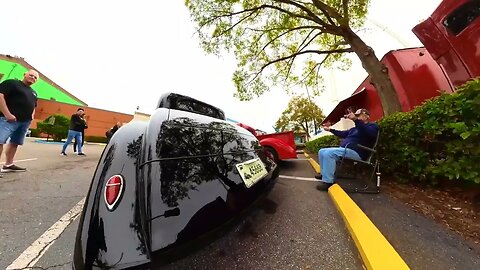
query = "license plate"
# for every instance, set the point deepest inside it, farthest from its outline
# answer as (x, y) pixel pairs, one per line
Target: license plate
(251, 171)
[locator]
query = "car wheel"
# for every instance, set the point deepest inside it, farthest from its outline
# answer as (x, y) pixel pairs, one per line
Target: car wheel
(272, 152)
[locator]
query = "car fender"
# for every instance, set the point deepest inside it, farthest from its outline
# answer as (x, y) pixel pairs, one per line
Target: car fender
(115, 238)
(283, 150)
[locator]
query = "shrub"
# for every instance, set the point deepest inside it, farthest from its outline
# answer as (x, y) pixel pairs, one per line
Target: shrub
(55, 126)
(96, 139)
(437, 140)
(325, 141)
(34, 132)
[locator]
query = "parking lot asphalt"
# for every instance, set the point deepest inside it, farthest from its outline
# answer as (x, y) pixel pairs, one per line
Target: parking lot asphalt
(295, 227)
(32, 201)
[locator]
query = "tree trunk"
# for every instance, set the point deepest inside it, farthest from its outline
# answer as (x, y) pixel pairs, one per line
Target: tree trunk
(377, 70)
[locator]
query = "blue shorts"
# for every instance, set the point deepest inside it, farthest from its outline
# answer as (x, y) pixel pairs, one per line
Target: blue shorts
(16, 131)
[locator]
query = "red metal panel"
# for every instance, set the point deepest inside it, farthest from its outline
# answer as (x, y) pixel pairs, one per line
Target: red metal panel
(461, 60)
(415, 76)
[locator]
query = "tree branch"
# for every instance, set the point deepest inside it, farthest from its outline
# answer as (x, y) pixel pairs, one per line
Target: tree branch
(346, 50)
(308, 11)
(290, 63)
(346, 15)
(235, 24)
(327, 10)
(288, 31)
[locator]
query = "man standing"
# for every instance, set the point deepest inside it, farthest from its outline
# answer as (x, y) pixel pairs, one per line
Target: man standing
(17, 109)
(364, 133)
(85, 126)
(76, 126)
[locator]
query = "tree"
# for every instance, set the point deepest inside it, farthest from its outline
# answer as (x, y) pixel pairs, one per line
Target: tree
(301, 115)
(56, 126)
(288, 41)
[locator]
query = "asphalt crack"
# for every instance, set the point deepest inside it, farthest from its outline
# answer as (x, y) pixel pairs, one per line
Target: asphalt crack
(43, 268)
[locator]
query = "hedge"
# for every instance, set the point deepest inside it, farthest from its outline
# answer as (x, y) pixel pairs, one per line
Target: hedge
(436, 141)
(96, 139)
(325, 141)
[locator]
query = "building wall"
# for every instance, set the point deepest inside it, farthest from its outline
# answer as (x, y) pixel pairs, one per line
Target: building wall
(53, 99)
(99, 121)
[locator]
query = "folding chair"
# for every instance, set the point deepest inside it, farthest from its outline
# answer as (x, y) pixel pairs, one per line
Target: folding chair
(366, 173)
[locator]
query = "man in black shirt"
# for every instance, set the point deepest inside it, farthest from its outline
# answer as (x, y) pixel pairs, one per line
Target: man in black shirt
(83, 134)
(17, 109)
(77, 124)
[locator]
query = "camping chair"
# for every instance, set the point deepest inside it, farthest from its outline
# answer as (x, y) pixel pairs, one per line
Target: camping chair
(365, 172)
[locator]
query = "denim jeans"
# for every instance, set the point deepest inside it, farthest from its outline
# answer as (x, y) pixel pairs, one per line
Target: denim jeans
(15, 130)
(328, 158)
(78, 137)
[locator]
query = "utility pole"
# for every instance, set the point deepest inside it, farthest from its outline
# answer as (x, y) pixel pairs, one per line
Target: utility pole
(310, 100)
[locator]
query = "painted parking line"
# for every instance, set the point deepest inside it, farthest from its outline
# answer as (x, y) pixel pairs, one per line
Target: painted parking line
(38, 248)
(375, 250)
(298, 178)
(22, 160)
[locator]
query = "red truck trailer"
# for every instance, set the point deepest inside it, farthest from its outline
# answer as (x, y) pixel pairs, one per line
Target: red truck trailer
(415, 76)
(451, 36)
(280, 145)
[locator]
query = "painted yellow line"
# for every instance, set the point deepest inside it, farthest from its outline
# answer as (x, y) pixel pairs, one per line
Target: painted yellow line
(314, 164)
(375, 250)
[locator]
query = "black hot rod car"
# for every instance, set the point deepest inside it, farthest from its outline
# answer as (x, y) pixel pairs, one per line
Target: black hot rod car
(163, 184)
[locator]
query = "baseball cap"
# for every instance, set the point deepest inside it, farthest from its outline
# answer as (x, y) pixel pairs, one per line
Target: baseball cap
(360, 111)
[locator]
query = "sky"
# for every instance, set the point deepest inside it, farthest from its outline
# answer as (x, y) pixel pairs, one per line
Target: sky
(117, 55)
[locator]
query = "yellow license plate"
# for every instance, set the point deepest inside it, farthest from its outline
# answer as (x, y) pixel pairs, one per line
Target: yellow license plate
(251, 171)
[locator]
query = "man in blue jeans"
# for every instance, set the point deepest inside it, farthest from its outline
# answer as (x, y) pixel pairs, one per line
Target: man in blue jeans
(77, 125)
(364, 133)
(17, 109)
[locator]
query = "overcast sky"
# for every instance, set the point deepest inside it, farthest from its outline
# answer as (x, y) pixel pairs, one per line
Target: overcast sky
(118, 55)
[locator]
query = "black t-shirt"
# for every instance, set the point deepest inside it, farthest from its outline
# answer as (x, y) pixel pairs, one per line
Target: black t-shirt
(21, 99)
(77, 123)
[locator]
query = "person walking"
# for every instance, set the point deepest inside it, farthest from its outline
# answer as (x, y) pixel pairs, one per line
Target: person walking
(17, 109)
(75, 131)
(75, 144)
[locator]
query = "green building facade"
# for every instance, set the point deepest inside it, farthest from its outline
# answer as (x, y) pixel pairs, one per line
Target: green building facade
(15, 68)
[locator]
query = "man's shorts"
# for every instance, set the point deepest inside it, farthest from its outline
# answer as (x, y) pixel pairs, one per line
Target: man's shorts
(16, 131)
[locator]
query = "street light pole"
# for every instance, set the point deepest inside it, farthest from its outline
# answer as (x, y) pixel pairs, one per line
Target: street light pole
(310, 100)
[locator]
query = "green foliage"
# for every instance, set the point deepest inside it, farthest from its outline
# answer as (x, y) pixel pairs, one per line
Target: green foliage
(438, 140)
(34, 132)
(96, 139)
(278, 42)
(325, 141)
(301, 115)
(55, 126)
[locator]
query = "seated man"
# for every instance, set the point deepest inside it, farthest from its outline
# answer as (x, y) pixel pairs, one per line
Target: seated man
(364, 133)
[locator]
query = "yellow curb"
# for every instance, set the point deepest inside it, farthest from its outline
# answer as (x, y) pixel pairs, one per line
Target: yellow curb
(374, 248)
(314, 164)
